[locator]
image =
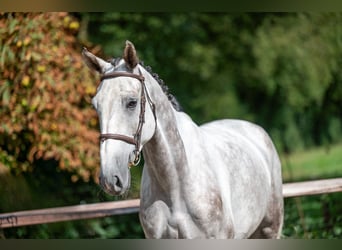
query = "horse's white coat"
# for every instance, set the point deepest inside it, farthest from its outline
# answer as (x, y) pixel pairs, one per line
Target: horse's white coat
(218, 180)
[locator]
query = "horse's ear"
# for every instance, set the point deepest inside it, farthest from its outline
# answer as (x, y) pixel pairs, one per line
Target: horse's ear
(94, 62)
(130, 55)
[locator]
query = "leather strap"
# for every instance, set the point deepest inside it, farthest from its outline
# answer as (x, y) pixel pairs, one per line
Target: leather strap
(125, 138)
(135, 140)
(118, 74)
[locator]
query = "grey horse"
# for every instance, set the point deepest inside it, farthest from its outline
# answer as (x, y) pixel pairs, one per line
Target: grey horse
(218, 180)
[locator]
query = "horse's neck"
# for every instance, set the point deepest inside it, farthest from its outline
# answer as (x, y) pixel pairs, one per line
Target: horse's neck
(164, 154)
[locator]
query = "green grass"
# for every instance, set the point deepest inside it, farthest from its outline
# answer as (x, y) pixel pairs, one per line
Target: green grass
(317, 216)
(317, 163)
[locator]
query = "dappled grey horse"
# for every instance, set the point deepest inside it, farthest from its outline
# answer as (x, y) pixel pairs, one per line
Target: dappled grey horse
(219, 180)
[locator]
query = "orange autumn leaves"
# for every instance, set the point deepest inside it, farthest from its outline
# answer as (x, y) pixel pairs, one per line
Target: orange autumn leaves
(45, 93)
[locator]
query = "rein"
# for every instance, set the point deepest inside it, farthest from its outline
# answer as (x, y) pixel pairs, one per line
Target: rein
(136, 138)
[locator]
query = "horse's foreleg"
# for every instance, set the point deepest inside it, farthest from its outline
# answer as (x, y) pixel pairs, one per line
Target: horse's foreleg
(154, 220)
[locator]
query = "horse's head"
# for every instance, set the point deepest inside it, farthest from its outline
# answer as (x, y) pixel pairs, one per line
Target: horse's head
(126, 115)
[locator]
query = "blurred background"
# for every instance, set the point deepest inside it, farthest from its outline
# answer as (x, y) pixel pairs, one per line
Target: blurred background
(279, 70)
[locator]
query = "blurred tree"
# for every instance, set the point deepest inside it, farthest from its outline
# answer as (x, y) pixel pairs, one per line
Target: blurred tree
(45, 93)
(296, 72)
(278, 70)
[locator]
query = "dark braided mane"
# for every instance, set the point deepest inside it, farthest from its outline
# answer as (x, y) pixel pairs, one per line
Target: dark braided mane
(160, 81)
(164, 87)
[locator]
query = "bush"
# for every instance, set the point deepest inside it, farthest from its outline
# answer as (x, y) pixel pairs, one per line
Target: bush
(45, 94)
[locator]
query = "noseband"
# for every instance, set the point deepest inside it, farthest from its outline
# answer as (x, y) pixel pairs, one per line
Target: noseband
(136, 138)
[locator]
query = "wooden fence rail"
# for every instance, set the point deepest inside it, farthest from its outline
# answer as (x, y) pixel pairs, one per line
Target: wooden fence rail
(103, 209)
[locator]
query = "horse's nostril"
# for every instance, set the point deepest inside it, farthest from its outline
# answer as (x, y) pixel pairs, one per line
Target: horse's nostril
(113, 186)
(117, 182)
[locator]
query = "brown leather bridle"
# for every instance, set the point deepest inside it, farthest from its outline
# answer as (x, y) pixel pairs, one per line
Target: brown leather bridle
(136, 138)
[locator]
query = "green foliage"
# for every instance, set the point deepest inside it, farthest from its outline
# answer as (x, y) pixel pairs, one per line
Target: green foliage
(279, 70)
(297, 60)
(315, 217)
(116, 227)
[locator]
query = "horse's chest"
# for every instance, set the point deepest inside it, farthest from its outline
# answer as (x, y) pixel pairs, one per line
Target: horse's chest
(207, 211)
(203, 200)
(182, 224)
(191, 217)
(205, 220)
(195, 210)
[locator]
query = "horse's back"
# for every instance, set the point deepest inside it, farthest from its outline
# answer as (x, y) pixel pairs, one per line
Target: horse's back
(228, 131)
(243, 135)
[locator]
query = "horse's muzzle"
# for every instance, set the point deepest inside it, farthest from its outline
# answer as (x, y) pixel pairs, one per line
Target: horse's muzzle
(112, 187)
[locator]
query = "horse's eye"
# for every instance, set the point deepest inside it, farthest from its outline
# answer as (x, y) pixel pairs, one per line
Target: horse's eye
(131, 104)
